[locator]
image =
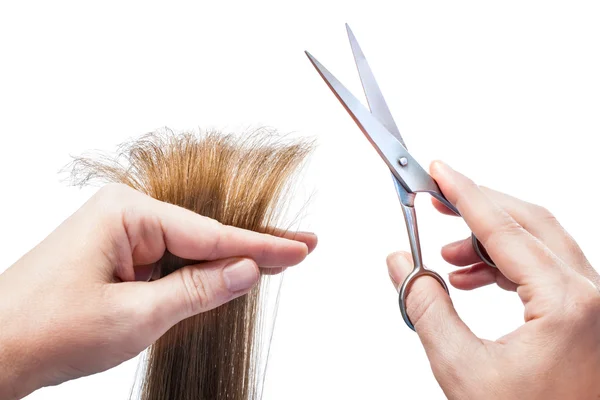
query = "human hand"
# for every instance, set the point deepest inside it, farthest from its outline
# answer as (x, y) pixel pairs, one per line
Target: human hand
(72, 306)
(556, 353)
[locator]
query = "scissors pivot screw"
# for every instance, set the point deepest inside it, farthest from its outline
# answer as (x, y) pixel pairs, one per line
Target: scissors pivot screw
(381, 130)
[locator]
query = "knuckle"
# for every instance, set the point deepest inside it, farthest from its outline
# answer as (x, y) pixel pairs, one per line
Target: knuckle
(198, 293)
(542, 214)
(575, 252)
(113, 199)
(146, 316)
(584, 304)
(129, 309)
(568, 245)
(114, 191)
(490, 193)
(576, 306)
(264, 247)
(509, 228)
(217, 237)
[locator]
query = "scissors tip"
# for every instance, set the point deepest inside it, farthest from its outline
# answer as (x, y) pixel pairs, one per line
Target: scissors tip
(350, 33)
(310, 57)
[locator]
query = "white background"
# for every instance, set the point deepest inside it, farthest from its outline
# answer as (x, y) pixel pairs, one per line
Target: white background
(506, 92)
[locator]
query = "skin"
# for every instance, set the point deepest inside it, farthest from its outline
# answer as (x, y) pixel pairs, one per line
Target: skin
(74, 307)
(555, 354)
(76, 304)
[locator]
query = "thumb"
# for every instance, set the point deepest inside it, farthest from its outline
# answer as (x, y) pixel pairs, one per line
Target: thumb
(197, 288)
(446, 338)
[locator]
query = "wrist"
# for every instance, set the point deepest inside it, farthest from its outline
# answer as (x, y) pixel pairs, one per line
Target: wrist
(18, 375)
(10, 371)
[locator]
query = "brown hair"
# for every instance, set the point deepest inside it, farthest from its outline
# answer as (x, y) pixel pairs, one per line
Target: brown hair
(237, 180)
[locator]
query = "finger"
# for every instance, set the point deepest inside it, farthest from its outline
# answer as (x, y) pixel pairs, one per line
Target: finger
(144, 272)
(480, 275)
(460, 253)
(518, 254)
(198, 288)
(441, 207)
(536, 220)
(543, 225)
(444, 335)
(308, 238)
(154, 227)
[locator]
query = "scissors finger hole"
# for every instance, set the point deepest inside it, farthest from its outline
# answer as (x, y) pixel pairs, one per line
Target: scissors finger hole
(481, 251)
(407, 284)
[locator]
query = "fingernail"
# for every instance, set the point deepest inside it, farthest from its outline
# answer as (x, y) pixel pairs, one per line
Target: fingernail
(461, 271)
(311, 237)
(445, 165)
(400, 267)
(307, 233)
(442, 173)
(404, 262)
(453, 244)
(240, 275)
(441, 166)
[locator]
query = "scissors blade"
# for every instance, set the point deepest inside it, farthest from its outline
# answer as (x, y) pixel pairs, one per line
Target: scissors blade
(411, 175)
(377, 104)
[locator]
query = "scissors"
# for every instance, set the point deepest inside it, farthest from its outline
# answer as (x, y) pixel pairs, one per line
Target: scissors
(409, 177)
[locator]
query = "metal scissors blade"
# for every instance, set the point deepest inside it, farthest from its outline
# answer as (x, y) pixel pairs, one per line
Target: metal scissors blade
(378, 106)
(375, 99)
(409, 177)
(403, 166)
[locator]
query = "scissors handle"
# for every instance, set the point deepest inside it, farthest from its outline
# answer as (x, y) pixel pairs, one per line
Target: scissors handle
(419, 270)
(410, 279)
(481, 251)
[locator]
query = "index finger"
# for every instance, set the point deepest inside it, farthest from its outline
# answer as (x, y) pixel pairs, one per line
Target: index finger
(517, 253)
(195, 237)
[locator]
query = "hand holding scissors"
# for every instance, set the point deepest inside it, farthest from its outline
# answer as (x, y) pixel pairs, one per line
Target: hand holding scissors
(408, 176)
(556, 353)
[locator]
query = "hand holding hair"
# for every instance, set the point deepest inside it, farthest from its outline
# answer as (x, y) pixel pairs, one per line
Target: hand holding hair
(72, 306)
(556, 353)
